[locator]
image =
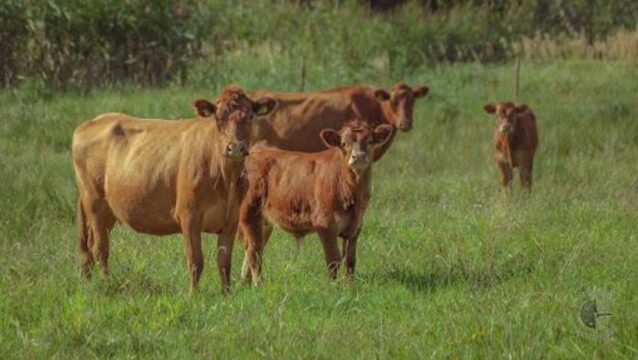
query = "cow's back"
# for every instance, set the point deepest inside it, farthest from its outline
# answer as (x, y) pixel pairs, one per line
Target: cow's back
(299, 117)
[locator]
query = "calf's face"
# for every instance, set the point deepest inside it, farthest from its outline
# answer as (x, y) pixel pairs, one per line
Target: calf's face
(357, 142)
(233, 113)
(402, 98)
(506, 116)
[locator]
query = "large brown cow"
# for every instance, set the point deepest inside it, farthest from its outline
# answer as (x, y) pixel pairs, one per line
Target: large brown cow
(515, 141)
(299, 118)
(163, 177)
(325, 192)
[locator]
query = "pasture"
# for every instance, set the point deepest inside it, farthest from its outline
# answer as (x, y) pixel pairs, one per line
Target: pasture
(448, 264)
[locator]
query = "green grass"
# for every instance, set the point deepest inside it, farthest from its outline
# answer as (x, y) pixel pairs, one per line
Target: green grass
(448, 266)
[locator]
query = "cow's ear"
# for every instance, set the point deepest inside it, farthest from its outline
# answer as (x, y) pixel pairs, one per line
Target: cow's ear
(381, 95)
(489, 108)
(382, 134)
(204, 108)
(421, 91)
(330, 137)
(264, 106)
(522, 108)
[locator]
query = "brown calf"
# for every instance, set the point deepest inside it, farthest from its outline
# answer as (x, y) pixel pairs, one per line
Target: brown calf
(515, 141)
(299, 118)
(325, 192)
(163, 177)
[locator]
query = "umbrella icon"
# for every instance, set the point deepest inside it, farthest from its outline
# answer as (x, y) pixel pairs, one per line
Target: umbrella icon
(589, 314)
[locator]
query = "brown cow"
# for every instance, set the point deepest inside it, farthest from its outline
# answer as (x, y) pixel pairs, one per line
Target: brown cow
(325, 192)
(299, 118)
(515, 141)
(163, 177)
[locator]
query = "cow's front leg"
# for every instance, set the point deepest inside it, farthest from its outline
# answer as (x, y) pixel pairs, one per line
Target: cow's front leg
(192, 235)
(350, 255)
(225, 241)
(506, 173)
(331, 251)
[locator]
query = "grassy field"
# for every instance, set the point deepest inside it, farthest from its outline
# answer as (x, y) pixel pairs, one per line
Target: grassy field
(449, 265)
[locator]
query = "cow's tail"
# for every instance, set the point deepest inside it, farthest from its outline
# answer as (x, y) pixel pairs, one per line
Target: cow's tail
(84, 246)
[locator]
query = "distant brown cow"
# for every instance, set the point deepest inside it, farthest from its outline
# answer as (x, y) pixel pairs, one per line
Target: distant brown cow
(299, 118)
(325, 192)
(163, 177)
(515, 141)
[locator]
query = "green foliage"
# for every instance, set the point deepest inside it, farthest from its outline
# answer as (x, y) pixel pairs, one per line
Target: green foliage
(79, 44)
(65, 44)
(448, 265)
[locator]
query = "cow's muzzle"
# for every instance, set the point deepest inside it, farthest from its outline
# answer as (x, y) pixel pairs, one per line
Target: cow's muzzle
(506, 129)
(405, 125)
(358, 159)
(236, 150)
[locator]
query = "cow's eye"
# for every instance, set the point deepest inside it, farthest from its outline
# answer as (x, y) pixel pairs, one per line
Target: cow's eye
(343, 144)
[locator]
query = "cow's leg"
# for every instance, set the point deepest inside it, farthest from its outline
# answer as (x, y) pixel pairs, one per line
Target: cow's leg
(250, 223)
(192, 237)
(525, 173)
(331, 251)
(101, 220)
(225, 242)
(266, 233)
(506, 174)
(350, 255)
(84, 241)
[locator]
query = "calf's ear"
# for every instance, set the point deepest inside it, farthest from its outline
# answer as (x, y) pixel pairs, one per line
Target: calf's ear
(489, 108)
(522, 108)
(204, 108)
(382, 134)
(421, 91)
(330, 137)
(381, 95)
(264, 106)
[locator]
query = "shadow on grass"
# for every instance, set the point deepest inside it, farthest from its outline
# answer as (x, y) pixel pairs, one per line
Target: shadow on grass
(480, 278)
(139, 283)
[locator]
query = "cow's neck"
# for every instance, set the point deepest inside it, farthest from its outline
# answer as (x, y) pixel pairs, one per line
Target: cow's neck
(352, 187)
(389, 115)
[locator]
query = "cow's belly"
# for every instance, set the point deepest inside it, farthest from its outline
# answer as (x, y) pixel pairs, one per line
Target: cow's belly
(145, 209)
(296, 223)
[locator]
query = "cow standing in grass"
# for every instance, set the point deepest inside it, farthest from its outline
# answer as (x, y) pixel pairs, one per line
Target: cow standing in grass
(325, 192)
(163, 177)
(300, 117)
(515, 141)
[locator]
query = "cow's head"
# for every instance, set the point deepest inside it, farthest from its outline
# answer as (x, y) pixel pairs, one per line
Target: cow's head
(233, 113)
(401, 99)
(506, 115)
(357, 142)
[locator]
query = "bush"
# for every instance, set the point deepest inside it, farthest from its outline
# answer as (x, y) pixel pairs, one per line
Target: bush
(76, 43)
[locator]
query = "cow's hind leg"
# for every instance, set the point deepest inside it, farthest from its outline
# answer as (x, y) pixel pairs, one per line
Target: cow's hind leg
(100, 221)
(84, 241)
(192, 237)
(331, 252)
(525, 173)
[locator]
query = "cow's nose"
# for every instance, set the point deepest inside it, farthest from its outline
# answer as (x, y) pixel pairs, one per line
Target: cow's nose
(236, 150)
(358, 158)
(506, 128)
(405, 126)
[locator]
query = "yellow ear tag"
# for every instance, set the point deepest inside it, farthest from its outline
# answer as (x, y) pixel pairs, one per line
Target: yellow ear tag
(263, 109)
